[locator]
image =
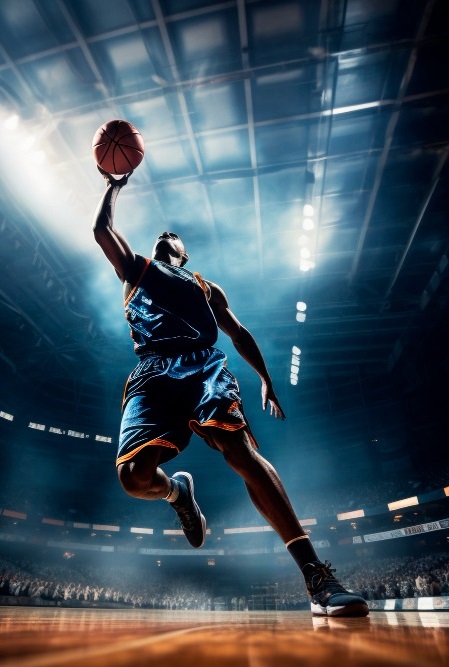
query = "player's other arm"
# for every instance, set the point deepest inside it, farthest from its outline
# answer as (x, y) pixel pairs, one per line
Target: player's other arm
(245, 345)
(111, 241)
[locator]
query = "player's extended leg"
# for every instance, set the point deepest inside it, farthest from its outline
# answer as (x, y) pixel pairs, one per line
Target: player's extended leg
(328, 597)
(142, 477)
(263, 484)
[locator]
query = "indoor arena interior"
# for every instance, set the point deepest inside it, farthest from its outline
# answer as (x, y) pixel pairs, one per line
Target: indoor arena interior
(295, 154)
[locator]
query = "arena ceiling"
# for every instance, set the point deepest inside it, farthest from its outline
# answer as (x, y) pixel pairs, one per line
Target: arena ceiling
(250, 109)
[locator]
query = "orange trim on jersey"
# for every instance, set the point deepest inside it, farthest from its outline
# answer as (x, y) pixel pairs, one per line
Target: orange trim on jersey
(130, 295)
(203, 284)
(150, 443)
(125, 388)
(225, 426)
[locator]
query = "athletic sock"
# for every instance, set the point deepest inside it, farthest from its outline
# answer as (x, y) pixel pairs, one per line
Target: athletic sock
(302, 551)
(172, 495)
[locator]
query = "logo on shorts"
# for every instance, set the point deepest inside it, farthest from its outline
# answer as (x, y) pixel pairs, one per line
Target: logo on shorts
(234, 410)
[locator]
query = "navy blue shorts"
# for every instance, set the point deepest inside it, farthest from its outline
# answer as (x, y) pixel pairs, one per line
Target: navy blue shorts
(166, 398)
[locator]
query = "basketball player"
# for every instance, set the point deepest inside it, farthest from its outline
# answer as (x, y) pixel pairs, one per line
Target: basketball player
(181, 384)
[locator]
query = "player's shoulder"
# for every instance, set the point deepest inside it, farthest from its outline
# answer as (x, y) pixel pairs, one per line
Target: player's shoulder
(136, 269)
(217, 294)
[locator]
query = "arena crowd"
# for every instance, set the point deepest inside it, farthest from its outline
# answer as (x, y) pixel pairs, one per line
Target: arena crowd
(385, 578)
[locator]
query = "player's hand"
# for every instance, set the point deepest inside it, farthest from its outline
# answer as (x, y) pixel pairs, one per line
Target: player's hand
(268, 396)
(112, 180)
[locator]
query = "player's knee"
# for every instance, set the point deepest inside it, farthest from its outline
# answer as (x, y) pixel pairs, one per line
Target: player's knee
(133, 483)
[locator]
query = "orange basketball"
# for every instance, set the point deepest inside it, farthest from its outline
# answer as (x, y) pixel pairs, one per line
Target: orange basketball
(118, 147)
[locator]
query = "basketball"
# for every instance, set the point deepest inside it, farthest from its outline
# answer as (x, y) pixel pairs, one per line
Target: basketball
(118, 147)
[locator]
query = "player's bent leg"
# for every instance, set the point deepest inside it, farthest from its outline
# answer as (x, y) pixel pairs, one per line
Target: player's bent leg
(140, 476)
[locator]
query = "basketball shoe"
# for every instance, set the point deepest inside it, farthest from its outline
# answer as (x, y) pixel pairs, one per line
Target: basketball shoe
(193, 522)
(327, 595)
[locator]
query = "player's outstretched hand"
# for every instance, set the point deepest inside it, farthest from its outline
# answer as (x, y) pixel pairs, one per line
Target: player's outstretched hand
(112, 180)
(268, 396)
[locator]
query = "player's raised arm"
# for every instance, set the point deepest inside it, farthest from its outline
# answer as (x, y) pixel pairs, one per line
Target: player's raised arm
(112, 242)
(245, 345)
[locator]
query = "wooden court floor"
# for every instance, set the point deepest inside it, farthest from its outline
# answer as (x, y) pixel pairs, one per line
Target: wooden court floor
(41, 637)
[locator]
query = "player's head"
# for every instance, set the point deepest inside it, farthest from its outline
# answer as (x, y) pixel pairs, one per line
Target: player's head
(170, 249)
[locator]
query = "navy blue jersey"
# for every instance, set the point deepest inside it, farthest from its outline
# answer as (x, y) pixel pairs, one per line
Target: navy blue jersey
(168, 311)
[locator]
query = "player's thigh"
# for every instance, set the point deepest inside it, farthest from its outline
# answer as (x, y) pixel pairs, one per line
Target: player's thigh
(236, 446)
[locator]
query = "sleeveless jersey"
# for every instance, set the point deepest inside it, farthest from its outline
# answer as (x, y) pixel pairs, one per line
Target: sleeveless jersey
(168, 312)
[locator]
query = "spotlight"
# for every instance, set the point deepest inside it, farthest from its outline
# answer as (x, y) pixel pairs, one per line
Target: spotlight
(306, 264)
(296, 350)
(308, 210)
(301, 306)
(12, 122)
(308, 224)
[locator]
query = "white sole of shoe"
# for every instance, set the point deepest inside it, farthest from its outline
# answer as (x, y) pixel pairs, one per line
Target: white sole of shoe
(355, 609)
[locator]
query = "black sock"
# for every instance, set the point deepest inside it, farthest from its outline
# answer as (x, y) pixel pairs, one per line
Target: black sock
(303, 551)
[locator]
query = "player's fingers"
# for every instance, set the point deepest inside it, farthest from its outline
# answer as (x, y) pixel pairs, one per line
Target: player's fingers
(279, 412)
(102, 171)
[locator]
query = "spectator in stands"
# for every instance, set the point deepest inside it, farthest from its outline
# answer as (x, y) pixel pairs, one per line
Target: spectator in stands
(419, 583)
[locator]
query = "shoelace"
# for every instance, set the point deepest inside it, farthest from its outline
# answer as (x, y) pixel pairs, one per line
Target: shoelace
(187, 518)
(324, 576)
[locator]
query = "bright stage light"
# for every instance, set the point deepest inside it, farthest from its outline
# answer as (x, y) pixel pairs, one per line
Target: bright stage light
(308, 224)
(103, 526)
(24, 159)
(308, 210)
(38, 427)
(301, 305)
(300, 317)
(12, 122)
(405, 502)
(143, 531)
(296, 350)
(306, 264)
